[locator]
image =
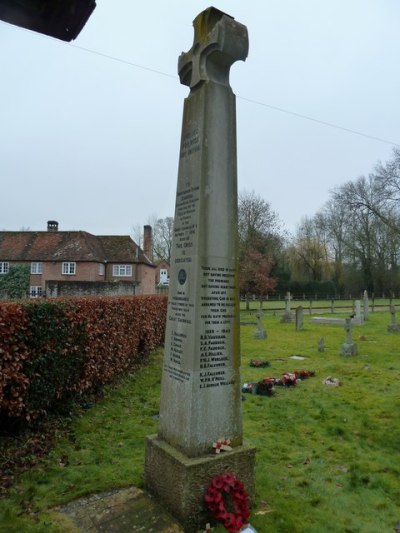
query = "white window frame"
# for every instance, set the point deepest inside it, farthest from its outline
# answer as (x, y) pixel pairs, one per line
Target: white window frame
(68, 268)
(122, 271)
(102, 269)
(35, 291)
(36, 267)
(4, 267)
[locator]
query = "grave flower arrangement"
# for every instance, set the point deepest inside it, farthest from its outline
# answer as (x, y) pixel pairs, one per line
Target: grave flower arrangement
(266, 387)
(227, 501)
(258, 363)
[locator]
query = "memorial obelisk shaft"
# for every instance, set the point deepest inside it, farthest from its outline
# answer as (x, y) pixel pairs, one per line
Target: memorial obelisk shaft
(200, 400)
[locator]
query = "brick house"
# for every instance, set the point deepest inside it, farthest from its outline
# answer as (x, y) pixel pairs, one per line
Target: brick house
(77, 262)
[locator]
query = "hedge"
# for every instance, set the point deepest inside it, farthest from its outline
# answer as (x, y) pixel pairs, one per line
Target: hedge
(53, 351)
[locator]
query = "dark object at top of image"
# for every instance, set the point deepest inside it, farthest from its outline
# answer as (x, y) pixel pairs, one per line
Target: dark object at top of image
(62, 19)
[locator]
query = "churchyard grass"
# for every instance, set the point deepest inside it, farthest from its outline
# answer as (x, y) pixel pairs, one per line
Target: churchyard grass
(328, 458)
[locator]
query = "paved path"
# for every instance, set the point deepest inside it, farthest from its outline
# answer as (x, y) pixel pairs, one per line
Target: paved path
(118, 511)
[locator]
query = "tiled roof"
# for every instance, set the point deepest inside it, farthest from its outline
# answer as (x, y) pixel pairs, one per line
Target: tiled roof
(122, 248)
(68, 246)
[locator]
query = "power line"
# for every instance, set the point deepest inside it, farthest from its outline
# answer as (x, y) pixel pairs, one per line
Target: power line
(323, 122)
(251, 101)
(124, 61)
(255, 102)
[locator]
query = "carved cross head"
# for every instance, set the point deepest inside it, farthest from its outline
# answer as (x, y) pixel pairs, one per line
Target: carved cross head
(219, 41)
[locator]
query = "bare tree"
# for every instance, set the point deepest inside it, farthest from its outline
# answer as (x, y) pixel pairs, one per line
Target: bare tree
(162, 239)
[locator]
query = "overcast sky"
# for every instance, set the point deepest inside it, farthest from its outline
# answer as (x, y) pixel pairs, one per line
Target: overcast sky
(93, 142)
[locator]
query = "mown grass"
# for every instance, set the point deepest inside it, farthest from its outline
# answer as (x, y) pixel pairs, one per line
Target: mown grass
(328, 459)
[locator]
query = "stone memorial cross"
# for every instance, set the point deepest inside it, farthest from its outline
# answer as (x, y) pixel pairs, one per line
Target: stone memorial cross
(201, 387)
(349, 347)
(393, 327)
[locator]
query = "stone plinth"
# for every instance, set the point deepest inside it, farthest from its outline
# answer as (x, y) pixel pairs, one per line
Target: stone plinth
(180, 481)
(348, 349)
(393, 328)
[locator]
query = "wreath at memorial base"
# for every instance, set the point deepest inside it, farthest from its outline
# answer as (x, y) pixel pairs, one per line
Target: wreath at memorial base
(226, 491)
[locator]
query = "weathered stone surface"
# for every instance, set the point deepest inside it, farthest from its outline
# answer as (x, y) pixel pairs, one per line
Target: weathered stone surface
(261, 332)
(202, 352)
(180, 481)
(348, 348)
(201, 385)
(299, 317)
(333, 321)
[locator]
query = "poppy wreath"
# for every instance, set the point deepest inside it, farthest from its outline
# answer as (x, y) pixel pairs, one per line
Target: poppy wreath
(227, 485)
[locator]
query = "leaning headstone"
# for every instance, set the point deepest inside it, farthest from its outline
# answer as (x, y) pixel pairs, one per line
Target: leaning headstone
(349, 347)
(366, 305)
(299, 317)
(287, 315)
(201, 388)
(260, 332)
(393, 327)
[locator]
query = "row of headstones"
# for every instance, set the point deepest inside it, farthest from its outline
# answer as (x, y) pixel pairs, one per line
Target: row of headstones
(347, 349)
(287, 316)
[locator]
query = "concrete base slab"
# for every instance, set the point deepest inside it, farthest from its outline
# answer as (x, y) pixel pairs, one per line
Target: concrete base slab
(179, 482)
(116, 511)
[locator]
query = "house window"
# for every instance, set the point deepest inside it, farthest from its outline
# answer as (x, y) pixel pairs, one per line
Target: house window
(35, 291)
(36, 268)
(4, 267)
(69, 268)
(122, 270)
(102, 269)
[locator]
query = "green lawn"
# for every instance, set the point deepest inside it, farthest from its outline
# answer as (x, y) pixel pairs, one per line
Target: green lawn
(328, 459)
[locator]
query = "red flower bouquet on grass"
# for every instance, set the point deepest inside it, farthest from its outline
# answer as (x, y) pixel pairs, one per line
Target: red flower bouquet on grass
(227, 485)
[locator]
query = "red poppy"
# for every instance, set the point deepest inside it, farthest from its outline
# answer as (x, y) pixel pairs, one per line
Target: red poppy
(226, 482)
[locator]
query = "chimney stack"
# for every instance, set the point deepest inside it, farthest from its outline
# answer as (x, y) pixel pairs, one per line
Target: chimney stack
(148, 242)
(52, 225)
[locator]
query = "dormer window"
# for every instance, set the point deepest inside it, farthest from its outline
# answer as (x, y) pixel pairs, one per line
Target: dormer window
(69, 269)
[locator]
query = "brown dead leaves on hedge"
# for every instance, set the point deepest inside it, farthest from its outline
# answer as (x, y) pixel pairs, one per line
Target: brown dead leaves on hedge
(52, 351)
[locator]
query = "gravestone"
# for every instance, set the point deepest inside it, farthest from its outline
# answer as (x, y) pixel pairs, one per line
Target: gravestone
(299, 317)
(358, 319)
(201, 386)
(260, 332)
(349, 348)
(321, 344)
(393, 327)
(287, 315)
(366, 305)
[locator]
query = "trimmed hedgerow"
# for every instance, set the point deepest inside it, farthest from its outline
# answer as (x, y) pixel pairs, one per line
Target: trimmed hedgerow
(53, 351)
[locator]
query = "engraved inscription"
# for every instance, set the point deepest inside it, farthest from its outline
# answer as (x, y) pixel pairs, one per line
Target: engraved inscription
(217, 303)
(185, 227)
(190, 143)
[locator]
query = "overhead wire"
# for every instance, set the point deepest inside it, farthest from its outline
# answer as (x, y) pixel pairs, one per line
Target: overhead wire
(249, 100)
